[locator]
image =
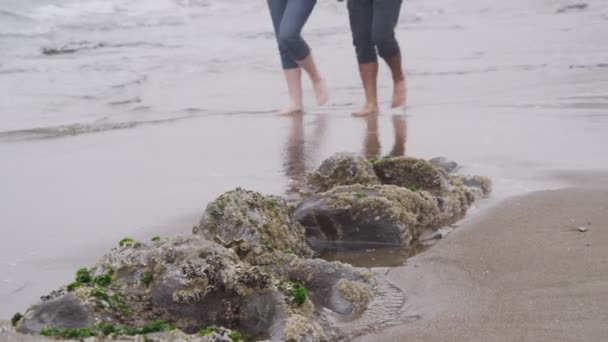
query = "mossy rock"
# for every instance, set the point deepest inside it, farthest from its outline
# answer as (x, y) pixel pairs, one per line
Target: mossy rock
(342, 169)
(479, 186)
(412, 173)
(63, 312)
(261, 221)
(336, 286)
(360, 217)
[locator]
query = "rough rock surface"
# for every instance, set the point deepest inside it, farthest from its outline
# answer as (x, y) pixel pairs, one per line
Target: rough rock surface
(195, 283)
(189, 281)
(333, 285)
(246, 216)
(445, 164)
(342, 169)
(360, 216)
(415, 194)
(412, 173)
(479, 186)
(63, 312)
(9, 334)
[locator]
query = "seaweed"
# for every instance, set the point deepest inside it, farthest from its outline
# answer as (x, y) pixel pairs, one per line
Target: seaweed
(298, 293)
(146, 278)
(208, 330)
(126, 242)
(16, 318)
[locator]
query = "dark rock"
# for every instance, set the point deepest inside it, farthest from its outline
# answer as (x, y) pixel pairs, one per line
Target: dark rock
(414, 174)
(342, 169)
(62, 312)
(195, 283)
(361, 217)
(246, 216)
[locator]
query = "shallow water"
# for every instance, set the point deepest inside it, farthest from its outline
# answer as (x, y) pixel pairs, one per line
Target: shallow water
(141, 112)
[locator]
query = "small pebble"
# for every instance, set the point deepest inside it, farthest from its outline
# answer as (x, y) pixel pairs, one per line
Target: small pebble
(582, 229)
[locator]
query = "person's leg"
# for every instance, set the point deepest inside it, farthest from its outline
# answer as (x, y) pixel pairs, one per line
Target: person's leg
(360, 16)
(386, 17)
(293, 73)
(295, 17)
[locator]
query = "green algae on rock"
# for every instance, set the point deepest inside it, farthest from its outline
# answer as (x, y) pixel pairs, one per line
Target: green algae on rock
(16, 319)
(247, 216)
(299, 328)
(412, 173)
(298, 293)
(126, 242)
(342, 169)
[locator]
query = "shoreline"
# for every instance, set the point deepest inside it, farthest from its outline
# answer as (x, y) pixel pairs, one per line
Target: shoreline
(459, 288)
(519, 271)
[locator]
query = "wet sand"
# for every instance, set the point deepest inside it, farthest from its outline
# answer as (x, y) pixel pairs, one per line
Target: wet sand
(519, 272)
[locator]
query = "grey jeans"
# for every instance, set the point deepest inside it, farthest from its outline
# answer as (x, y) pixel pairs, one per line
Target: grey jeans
(288, 19)
(373, 23)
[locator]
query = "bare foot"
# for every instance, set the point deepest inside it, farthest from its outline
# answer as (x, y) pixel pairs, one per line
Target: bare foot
(399, 94)
(321, 93)
(368, 109)
(292, 109)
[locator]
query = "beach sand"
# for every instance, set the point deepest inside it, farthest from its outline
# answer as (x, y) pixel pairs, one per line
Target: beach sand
(520, 272)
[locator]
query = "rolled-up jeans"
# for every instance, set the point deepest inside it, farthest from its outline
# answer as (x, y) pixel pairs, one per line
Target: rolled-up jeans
(373, 24)
(288, 19)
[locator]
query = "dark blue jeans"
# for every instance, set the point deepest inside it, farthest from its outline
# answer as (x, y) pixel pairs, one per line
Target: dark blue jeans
(288, 19)
(373, 23)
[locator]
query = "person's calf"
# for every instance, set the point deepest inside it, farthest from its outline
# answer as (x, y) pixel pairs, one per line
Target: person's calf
(399, 84)
(369, 77)
(318, 82)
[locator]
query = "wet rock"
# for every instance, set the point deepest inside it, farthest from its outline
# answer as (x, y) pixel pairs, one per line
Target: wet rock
(62, 312)
(189, 281)
(219, 335)
(478, 186)
(336, 286)
(361, 217)
(321, 279)
(246, 216)
(342, 169)
(300, 329)
(445, 164)
(192, 283)
(414, 174)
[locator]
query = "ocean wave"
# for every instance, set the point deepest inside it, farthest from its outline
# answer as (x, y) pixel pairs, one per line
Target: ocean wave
(74, 47)
(83, 9)
(51, 132)
(18, 25)
(13, 15)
